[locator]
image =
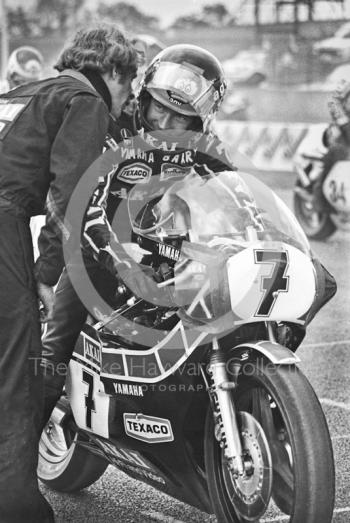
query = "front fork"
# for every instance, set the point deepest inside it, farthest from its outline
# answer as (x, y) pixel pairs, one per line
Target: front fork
(224, 411)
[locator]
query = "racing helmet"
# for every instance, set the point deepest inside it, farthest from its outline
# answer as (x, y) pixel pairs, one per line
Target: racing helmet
(186, 78)
(25, 64)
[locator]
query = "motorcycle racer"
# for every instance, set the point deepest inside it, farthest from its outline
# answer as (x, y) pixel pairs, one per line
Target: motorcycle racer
(182, 90)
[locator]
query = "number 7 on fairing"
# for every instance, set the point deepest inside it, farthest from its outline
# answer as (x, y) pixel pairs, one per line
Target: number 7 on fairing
(275, 282)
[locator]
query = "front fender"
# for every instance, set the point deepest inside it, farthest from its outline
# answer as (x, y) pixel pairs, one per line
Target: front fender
(274, 352)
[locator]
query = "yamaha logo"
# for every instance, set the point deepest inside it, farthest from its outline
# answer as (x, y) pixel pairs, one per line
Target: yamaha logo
(168, 251)
(129, 390)
(147, 428)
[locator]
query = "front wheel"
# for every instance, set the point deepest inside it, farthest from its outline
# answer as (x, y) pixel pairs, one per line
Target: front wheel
(64, 464)
(317, 224)
(286, 443)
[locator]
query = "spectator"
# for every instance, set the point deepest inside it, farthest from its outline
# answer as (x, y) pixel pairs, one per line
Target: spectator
(141, 49)
(128, 115)
(154, 46)
(25, 64)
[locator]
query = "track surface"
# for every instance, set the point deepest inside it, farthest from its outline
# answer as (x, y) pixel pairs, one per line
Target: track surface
(325, 355)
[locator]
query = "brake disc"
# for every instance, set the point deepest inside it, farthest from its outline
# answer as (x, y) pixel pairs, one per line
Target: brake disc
(251, 493)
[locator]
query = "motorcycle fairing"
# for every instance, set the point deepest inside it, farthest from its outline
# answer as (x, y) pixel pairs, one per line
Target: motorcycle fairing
(182, 399)
(272, 281)
(88, 379)
(90, 405)
(131, 462)
(219, 277)
(154, 364)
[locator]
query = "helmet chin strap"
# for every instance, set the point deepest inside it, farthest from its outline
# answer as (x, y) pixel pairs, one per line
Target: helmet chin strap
(143, 103)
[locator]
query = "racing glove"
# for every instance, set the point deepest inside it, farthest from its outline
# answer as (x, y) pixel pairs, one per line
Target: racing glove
(141, 280)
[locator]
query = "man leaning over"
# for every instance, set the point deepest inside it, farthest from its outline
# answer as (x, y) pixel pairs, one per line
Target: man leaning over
(50, 132)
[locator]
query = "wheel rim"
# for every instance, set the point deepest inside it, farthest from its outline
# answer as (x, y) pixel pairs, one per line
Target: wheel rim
(251, 493)
(55, 449)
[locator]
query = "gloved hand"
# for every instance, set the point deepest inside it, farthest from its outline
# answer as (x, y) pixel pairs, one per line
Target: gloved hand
(141, 281)
(47, 298)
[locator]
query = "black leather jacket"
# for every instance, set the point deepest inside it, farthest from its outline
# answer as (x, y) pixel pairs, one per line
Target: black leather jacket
(50, 132)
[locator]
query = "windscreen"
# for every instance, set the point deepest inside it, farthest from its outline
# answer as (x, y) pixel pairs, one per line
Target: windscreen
(228, 205)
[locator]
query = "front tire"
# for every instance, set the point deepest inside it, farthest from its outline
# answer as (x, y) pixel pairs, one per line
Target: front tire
(63, 464)
(284, 404)
(316, 224)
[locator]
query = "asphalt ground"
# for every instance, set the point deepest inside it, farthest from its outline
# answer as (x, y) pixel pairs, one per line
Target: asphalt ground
(325, 355)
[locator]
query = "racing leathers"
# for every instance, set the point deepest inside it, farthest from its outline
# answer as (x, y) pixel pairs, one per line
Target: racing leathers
(103, 253)
(167, 161)
(50, 131)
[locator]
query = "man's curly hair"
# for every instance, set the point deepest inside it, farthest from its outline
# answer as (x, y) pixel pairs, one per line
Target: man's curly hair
(102, 48)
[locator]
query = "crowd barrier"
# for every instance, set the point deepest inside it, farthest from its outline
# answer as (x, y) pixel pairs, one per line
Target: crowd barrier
(268, 145)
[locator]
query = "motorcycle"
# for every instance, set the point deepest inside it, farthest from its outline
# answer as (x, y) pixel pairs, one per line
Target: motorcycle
(322, 191)
(204, 400)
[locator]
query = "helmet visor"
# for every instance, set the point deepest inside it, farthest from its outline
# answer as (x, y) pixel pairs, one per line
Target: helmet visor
(183, 89)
